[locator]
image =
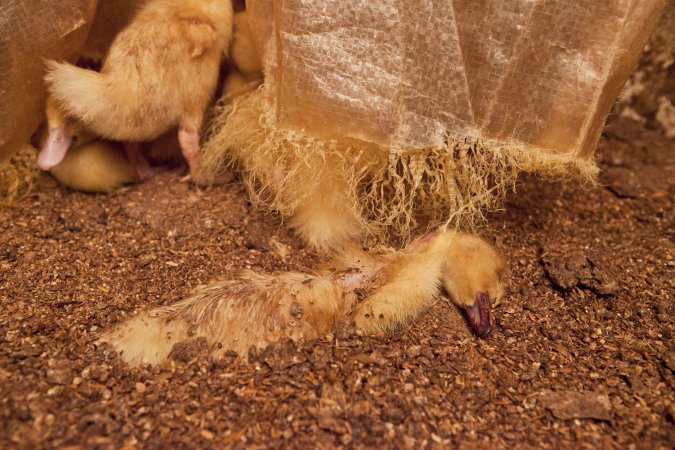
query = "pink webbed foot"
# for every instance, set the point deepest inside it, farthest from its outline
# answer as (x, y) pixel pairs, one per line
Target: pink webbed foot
(189, 144)
(55, 148)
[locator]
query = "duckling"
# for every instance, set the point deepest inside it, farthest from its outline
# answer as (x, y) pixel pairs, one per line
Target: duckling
(97, 166)
(91, 165)
(245, 55)
(246, 73)
(62, 133)
(160, 72)
(376, 292)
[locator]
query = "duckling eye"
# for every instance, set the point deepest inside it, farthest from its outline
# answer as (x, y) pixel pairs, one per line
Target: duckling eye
(74, 139)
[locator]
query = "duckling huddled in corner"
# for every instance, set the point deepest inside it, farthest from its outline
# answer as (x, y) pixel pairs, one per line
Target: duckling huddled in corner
(160, 73)
(375, 292)
(80, 160)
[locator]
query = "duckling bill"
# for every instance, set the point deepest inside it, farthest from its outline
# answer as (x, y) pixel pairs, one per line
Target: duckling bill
(479, 315)
(55, 148)
(61, 135)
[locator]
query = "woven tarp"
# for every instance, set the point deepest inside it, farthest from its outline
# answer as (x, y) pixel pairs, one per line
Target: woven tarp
(32, 30)
(540, 74)
(396, 115)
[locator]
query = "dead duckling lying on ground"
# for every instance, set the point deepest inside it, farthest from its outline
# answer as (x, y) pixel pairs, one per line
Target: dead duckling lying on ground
(160, 73)
(375, 292)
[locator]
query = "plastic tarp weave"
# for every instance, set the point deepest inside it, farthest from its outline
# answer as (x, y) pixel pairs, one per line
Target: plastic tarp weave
(534, 74)
(32, 30)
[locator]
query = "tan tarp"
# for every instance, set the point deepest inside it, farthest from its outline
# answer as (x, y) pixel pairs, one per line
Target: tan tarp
(535, 74)
(405, 114)
(31, 30)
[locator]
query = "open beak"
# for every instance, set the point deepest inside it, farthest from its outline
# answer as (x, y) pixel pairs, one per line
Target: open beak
(478, 315)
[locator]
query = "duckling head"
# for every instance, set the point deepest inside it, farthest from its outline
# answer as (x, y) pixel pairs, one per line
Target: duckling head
(471, 277)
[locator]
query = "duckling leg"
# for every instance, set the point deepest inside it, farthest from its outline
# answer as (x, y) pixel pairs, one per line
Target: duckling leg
(411, 284)
(326, 219)
(55, 148)
(188, 137)
(136, 158)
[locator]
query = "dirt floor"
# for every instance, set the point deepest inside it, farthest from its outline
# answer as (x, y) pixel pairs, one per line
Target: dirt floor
(583, 354)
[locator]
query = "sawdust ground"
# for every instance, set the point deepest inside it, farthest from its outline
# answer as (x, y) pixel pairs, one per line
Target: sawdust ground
(73, 264)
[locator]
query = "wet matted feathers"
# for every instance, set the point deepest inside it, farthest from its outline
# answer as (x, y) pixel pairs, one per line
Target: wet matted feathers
(251, 310)
(375, 292)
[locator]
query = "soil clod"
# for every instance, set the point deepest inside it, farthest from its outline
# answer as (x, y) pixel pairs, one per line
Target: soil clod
(568, 268)
(577, 405)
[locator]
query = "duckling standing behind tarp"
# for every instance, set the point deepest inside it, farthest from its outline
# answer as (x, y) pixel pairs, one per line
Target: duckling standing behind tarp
(246, 63)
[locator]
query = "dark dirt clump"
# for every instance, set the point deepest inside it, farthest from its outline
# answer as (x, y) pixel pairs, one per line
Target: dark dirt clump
(566, 366)
(569, 268)
(189, 350)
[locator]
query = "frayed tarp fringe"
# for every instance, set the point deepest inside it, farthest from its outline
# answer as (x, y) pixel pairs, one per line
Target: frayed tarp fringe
(17, 175)
(391, 191)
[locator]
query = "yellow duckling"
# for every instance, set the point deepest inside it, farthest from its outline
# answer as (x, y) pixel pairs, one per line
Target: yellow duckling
(375, 292)
(159, 74)
(78, 159)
